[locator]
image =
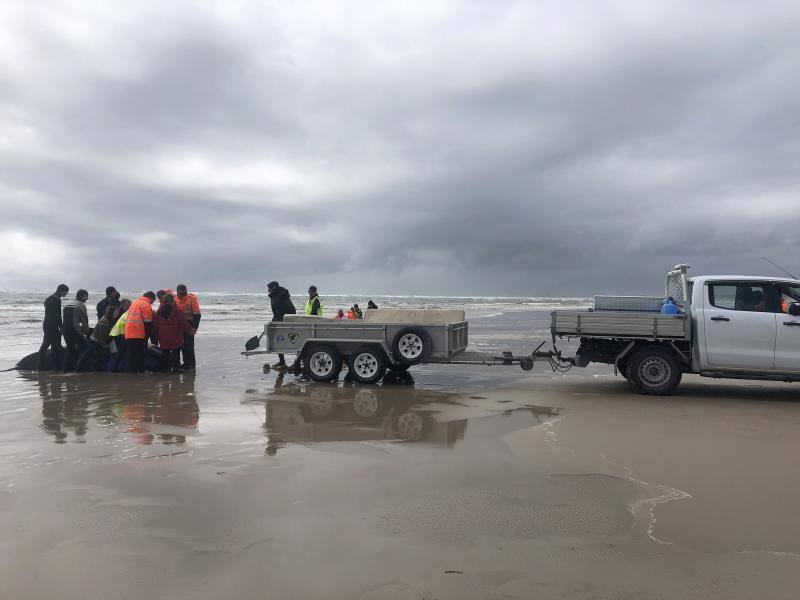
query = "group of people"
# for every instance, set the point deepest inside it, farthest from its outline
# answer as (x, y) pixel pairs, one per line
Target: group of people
(282, 305)
(354, 312)
(119, 339)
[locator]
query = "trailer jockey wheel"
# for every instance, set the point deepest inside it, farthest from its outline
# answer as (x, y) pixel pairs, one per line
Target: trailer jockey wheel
(411, 346)
(367, 364)
(322, 363)
(526, 362)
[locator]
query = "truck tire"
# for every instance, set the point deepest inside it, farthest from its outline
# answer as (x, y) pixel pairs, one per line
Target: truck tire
(654, 371)
(398, 368)
(411, 346)
(367, 364)
(322, 363)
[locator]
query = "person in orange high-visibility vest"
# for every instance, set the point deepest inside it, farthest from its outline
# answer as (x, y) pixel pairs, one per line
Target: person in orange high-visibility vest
(137, 329)
(187, 303)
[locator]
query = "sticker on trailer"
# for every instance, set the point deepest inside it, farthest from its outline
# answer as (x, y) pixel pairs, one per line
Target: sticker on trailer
(293, 338)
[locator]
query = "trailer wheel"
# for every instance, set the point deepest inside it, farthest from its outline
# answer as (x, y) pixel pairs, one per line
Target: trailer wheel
(654, 371)
(367, 364)
(411, 346)
(322, 363)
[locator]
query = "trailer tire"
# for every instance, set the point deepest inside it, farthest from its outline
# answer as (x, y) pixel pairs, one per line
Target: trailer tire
(367, 364)
(411, 346)
(322, 363)
(654, 371)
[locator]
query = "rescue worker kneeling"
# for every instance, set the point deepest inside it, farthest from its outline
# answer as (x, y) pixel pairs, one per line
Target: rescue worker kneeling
(169, 328)
(119, 360)
(96, 350)
(138, 326)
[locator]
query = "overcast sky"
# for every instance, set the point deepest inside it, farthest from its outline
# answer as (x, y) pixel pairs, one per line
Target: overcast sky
(498, 147)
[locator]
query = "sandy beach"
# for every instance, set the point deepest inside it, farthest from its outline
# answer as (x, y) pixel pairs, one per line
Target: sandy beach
(468, 483)
(577, 187)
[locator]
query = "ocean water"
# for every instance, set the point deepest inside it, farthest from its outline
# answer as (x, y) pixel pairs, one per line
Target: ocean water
(495, 321)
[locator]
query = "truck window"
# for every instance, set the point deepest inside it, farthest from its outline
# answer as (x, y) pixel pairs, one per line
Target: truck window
(788, 295)
(738, 296)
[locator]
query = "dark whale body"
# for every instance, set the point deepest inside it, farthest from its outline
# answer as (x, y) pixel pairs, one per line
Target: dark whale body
(31, 362)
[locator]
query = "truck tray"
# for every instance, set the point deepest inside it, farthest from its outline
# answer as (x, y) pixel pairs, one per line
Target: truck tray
(607, 324)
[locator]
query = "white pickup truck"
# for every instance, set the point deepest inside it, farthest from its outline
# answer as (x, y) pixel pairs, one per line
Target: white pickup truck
(729, 326)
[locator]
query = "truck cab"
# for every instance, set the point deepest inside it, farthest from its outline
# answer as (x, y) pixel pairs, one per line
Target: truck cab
(746, 325)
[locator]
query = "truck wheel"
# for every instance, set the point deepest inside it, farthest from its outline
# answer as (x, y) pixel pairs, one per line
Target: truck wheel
(411, 345)
(409, 426)
(367, 364)
(654, 371)
(322, 363)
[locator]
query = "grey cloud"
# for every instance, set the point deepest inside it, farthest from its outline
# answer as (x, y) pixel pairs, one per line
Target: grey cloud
(473, 163)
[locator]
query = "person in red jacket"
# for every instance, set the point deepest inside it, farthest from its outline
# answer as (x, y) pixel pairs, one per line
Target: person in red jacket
(169, 328)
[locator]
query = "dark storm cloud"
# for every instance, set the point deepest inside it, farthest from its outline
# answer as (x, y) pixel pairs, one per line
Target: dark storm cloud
(506, 148)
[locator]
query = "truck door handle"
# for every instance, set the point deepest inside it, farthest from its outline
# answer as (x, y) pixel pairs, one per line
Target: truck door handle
(720, 319)
(792, 323)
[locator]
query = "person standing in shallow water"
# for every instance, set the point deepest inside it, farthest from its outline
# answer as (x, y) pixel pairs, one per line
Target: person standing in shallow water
(190, 307)
(281, 304)
(52, 328)
(138, 326)
(169, 328)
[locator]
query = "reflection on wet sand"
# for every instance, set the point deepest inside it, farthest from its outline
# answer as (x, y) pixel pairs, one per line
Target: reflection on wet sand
(165, 411)
(306, 412)
(151, 411)
(64, 409)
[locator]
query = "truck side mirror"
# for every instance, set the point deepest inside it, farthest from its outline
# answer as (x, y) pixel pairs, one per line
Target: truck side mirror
(794, 309)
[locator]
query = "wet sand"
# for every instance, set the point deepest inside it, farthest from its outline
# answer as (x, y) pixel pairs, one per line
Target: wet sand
(466, 484)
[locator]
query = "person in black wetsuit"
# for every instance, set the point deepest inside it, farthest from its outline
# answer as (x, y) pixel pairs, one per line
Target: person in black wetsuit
(281, 303)
(111, 299)
(52, 328)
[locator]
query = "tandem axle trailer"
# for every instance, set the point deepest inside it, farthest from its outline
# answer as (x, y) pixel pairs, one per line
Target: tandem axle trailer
(386, 340)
